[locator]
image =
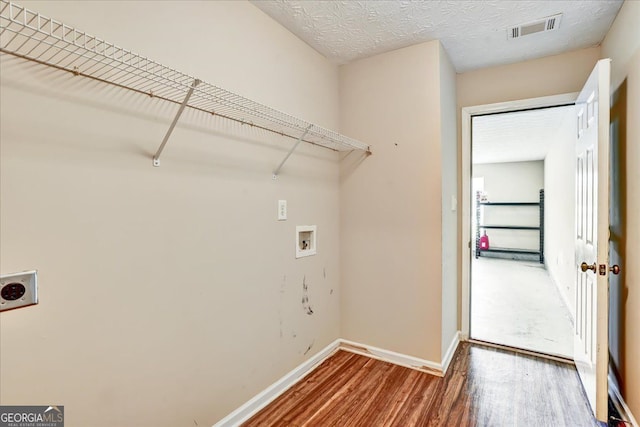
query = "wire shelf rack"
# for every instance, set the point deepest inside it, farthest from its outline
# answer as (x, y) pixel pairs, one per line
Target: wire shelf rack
(32, 36)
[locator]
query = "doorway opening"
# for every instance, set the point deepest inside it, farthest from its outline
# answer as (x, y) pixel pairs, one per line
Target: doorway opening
(521, 229)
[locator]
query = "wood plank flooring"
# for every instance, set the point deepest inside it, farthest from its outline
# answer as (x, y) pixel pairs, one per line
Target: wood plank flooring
(483, 387)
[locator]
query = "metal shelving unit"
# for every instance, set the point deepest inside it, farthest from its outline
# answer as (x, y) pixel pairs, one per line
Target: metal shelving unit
(34, 37)
(539, 254)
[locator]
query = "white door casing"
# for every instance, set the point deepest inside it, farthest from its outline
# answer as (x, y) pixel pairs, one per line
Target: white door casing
(466, 195)
(591, 351)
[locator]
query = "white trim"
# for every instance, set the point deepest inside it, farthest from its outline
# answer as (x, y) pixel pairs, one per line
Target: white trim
(448, 356)
(466, 113)
(620, 404)
(411, 362)
(268, 395)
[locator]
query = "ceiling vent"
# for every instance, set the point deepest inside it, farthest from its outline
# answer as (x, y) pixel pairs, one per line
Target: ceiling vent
(549, 23)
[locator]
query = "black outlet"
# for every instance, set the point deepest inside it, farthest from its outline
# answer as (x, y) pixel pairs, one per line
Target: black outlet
(13, 291)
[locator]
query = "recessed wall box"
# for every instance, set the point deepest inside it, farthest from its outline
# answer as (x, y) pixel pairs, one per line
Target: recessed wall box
(306, 239)
(18, 290)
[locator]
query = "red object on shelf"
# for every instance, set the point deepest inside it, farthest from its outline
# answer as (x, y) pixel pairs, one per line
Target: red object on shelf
(484, 242)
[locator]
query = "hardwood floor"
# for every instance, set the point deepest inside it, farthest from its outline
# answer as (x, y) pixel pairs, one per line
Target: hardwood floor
(483, 387)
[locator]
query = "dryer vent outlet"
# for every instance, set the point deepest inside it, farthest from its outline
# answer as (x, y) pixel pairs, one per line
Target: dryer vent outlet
(18, 290)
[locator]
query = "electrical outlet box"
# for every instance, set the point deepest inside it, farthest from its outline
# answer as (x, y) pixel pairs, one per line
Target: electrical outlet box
(18, 290)
(306, 240)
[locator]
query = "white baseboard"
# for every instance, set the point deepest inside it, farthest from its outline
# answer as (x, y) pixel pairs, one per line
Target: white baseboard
(268, 395)
(423, 365)
(448, 356)
(620, 404)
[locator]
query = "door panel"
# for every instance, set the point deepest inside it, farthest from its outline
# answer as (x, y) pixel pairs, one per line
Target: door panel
(592, 235)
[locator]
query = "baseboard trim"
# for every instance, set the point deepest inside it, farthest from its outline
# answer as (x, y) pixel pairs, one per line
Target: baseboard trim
(268, 395)
(411, 362)
(620, 404)
(448, 356)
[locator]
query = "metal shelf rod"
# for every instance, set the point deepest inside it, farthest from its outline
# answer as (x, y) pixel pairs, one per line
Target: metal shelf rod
(277, 171)
(156, 157)
(509, 204)
(509, 227)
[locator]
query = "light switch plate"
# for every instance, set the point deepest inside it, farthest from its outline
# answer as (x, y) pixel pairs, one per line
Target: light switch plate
(282, 210)
(18, 290)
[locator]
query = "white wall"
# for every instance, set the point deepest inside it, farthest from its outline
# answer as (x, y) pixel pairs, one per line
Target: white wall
(559, 176)
(171, 295)
(511, 182)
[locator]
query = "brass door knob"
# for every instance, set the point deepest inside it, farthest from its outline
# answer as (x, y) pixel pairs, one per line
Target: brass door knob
(584, 267)
(615, 269)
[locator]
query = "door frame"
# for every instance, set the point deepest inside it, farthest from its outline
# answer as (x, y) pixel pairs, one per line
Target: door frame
(465, 242)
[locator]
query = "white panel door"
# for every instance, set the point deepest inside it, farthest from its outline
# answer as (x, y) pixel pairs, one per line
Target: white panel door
(591, 350)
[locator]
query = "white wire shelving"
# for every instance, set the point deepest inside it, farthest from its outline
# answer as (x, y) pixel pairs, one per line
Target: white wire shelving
(32, 36)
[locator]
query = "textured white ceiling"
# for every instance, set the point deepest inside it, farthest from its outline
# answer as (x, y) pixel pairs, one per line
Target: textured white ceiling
(519, 136)
(473, 32)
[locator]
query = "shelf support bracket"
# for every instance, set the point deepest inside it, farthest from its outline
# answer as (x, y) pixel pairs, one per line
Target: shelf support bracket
(277, 171)
(156, 157)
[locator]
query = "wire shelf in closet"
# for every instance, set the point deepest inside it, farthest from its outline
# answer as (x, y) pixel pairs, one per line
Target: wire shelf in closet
(32, 36)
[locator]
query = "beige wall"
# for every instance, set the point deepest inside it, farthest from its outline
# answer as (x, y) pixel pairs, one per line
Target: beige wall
(622, 45)
(450, 240)
(390, 202)
(168, 296)
(551, 75)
